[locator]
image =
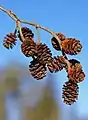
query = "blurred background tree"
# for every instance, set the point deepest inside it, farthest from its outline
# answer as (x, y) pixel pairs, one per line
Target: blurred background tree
(2, 110)
(46, 108)
(9, 82)
(35, 100)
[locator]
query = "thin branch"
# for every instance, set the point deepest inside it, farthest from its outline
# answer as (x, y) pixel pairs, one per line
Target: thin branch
(18, 22)
(19, 28)
(10, 13)
(15, 18)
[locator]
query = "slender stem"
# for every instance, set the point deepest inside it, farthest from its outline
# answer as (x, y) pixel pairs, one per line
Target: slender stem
(63, 53)
(10, 13)
(68, 64)
(38, 34)
(19, 28)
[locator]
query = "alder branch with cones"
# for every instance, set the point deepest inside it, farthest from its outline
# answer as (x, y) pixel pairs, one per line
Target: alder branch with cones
(43, 60)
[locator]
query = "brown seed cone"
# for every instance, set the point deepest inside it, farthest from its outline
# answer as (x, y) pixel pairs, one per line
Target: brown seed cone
(28, 48)
(76, 75)
(60, 60)
(27, 33)
(73, 64)
(9, 41)
(44, 54)
(56, 64)
(61, 36)
(37, 70)
(55, 41)
(71, 46)
(70, 92)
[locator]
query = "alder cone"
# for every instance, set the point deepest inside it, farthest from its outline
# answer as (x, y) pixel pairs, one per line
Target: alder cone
(61, 36)
(60, 60)
(71, 46)
(27, 33)
(75, 73)
(54, 41)
(56, 64)
(44, 54)
(37, 70)
(53, 66)
(28, 48)
(73, 64)
(9, 41)
(70, 92)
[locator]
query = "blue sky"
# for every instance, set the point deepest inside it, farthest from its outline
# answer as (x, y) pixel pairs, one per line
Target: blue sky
(66, 16)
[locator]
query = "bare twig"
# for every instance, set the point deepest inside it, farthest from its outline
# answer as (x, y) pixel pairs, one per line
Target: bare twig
(19, 21)
(16, 19)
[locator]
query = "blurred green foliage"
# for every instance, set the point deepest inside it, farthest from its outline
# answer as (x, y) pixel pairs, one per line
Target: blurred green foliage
(46, 109)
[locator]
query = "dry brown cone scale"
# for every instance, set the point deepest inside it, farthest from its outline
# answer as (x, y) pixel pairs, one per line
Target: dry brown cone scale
(76, 76)
(54, 41)
(44, 54)
(9, 41)
(73, 63)
(28, 48)
(76, 73)
(56, 64)
(70, 92)
(37, 69)
(71, 46)
(27, 33)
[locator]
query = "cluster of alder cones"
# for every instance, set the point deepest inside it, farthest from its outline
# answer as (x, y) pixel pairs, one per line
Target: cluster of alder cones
(43, 59)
